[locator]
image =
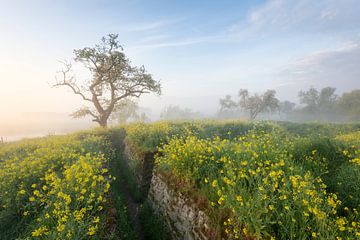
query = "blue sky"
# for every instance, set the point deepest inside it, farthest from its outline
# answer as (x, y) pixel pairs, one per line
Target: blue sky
(200, 50)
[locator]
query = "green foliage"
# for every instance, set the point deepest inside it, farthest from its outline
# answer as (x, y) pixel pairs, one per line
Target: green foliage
(154, 226)
(114, 79)
(321, 155)
(347, 185)
(253, 104)
(60, 182)
(148, 137)
(349, 104)
(260, 180)
(253, 177)
(318, 129)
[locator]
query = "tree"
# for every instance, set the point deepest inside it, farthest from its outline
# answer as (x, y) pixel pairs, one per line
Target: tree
(286, 107)
(175, 112)
(349, 105)
(227, 103)
(113, 79)
(228, 108)
(320, 104)
(127, 110)
(255, 104)
(310, 99)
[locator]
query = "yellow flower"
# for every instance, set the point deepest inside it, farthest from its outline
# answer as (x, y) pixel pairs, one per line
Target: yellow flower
(60, 227)
(214, 183)
(22, 192)
(96, 219)
(40, 231)
(92, 230)
(221, 200)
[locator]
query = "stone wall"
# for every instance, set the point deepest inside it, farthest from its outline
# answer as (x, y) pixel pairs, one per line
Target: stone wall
(184, 219)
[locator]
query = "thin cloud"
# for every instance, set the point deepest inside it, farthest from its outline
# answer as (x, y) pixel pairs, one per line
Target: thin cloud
(152, 38)
(281, 17)
(140, 27)
(339, 67)
(184, 42)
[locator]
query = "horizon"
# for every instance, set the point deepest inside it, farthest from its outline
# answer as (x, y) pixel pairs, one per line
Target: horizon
(200, 52)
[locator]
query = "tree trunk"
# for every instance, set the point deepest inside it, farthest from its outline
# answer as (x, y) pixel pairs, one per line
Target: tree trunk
(103, 122)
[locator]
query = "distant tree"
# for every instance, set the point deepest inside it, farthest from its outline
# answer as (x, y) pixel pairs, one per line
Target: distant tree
(310, 99)
(255, 104)
(286, 107)
(228, 108)
(113, 79)
(175, 112)
(319, 103)
(327, 98)
(349, 105)
(127, 110)
(227, 103)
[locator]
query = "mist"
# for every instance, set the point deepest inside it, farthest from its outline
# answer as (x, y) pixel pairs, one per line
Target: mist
(199, 54)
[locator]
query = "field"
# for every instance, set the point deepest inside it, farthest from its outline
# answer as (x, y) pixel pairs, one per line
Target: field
(255, 180)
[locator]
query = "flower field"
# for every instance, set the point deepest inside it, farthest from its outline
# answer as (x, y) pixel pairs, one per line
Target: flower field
(54, 188)
(269, 181)
(261, 180)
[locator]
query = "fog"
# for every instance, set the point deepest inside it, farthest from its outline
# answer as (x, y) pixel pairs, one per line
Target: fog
(36, 124)
(200, 52)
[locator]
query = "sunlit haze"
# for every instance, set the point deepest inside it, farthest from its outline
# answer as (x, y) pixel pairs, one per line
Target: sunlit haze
(199, 50)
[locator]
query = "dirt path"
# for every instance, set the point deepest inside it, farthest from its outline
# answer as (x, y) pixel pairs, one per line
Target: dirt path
(133, 209)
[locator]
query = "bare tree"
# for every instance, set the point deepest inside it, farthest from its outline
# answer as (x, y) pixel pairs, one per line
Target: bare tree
(112, 79)
(255, 104)
(227, 103)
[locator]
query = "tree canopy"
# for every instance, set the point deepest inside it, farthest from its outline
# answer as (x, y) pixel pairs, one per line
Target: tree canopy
(349, 103)
(113, 79)
(253, 104)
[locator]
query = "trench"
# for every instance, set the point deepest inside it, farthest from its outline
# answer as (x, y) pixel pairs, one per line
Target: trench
(134, 216)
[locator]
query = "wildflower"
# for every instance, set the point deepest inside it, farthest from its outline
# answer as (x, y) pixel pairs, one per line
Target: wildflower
(214, 183)
(92, 230)
(22, 192)
(39, 232)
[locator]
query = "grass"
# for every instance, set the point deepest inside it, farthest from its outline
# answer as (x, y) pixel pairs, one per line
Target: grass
(264, 179)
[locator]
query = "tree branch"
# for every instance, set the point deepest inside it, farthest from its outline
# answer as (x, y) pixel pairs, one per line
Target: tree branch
(69, 81)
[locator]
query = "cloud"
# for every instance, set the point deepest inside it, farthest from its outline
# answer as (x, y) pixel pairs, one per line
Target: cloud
(148, 26)
(183, 42)
(273, 18)
(292, 16)
(338, 67)
(152, 38)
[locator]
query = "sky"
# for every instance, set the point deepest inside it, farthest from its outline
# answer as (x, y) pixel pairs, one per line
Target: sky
(199, 50)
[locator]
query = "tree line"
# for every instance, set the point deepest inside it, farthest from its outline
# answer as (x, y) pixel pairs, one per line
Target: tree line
(314, 105)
